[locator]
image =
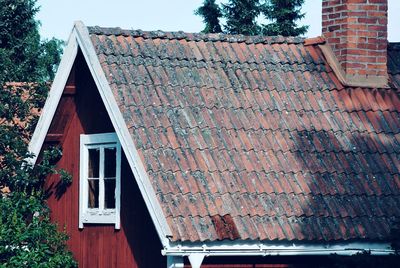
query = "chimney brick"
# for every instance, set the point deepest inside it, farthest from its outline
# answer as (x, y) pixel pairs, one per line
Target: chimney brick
(356, 30)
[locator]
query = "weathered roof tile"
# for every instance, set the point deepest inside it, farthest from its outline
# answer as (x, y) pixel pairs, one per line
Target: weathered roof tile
(255, 137)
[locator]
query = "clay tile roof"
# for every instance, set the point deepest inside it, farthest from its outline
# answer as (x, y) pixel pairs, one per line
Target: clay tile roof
(254, 137)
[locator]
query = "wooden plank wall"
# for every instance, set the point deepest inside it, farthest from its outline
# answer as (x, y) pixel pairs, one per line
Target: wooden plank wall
(263, 262)
(136, 244)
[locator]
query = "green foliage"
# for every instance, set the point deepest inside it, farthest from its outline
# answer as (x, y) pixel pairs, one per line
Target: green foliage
(50, 57)
(23, 57)
(241, 16)
(16, 104)
(66, 178)
(211, 13)
(27, 237)
(283, 14)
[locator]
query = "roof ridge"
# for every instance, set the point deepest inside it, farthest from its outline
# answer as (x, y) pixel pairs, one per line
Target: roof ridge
(212, 37)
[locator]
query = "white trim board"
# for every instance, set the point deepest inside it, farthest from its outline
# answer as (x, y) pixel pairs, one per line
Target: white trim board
(80, 38)
(49, 109)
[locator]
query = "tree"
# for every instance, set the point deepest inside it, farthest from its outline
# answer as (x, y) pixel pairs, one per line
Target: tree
(241, 16)
(27, 237)
(24, 56)
(283, 14)
(211, 13)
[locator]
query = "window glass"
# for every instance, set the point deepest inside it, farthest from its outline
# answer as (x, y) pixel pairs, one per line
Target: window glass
(93, 200)
(94, 159)
(109, 193)
(110, 162)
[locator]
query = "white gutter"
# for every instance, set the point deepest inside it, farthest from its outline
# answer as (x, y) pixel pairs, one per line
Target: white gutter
(280, 249)
(196, 252)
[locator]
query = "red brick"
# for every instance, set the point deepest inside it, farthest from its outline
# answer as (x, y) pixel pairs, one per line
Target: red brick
(363, 24)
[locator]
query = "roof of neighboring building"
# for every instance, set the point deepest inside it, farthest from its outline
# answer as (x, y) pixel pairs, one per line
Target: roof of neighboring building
(255, 137)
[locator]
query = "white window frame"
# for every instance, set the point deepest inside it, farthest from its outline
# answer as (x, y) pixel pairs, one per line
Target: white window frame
(98, 215)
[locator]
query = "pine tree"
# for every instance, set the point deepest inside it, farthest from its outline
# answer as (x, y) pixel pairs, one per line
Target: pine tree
(283, 14)
(241, 16)
(211, 13)
(27, 237)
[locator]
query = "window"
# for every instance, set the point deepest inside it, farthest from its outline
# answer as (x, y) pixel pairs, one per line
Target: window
(100, 179)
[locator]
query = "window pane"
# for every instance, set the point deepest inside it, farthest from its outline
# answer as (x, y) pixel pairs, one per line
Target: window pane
(94, 160)
(109, 192)
(110, 162)
(93, 201)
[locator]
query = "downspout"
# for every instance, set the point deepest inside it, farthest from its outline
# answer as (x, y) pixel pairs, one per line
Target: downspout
(196, 259)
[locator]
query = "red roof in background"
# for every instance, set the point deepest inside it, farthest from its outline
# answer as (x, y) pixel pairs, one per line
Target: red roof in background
(255, 138)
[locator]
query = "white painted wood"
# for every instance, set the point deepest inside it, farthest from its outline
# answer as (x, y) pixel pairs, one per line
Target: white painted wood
(175, 262)
(101, 180)
(82, 194)
(99, 215)
(99, 138)
(54, 97)
(118, 189)
(124, 136)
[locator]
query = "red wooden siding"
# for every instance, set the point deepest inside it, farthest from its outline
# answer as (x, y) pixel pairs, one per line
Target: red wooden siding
(264, 262)
(136, 244)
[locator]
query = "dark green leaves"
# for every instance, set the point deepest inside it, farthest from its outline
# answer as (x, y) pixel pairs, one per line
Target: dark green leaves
(23, 56)
(241, 16)
(211, 13)
(283, 15)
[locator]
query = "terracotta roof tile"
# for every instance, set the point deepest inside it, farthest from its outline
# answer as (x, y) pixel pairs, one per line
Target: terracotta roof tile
(255, 138)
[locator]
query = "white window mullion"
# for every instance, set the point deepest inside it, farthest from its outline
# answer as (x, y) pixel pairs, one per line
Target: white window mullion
(118, 186)
(101, 181)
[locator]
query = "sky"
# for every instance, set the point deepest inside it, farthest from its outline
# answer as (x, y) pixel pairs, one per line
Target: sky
(57, 17)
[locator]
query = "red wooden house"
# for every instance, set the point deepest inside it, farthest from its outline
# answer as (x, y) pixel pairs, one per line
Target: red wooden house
(227, 151)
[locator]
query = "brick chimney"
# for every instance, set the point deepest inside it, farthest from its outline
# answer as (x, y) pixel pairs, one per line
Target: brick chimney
(356, 31)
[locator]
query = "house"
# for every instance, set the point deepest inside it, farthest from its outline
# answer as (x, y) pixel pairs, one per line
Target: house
(220, 150)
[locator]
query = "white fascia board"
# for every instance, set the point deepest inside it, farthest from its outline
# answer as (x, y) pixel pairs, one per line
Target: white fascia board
(123, 134)
(54, 97)
(274, 249)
